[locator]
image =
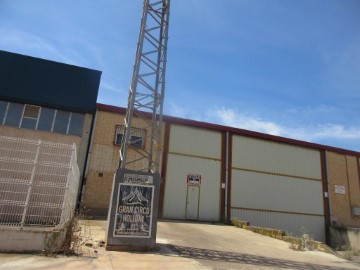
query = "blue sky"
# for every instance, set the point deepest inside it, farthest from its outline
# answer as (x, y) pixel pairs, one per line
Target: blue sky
(287, 68)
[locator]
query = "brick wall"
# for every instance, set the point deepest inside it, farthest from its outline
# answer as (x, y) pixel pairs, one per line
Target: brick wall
(104, 160)
(343, 173)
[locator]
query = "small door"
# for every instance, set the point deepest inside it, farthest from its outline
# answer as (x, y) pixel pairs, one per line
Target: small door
(192, 202)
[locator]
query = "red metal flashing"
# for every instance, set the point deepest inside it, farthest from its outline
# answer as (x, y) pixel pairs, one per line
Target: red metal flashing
(230, 147)
(236, 131)
(326, 202)
(110, 108)
(358, 170)
(223, 177)
(163, 169)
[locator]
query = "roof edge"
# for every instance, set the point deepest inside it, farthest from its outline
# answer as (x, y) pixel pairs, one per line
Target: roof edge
(237, 131)
(53, 61)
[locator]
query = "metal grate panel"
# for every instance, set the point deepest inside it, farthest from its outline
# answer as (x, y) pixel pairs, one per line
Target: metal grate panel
(38, 182)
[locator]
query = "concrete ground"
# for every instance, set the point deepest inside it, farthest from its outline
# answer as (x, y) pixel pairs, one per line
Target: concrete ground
(184, 245)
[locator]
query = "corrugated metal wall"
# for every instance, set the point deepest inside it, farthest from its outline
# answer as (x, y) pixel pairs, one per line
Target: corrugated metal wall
(193, 151)
(278, 186)
(266, 156)
(195, 141)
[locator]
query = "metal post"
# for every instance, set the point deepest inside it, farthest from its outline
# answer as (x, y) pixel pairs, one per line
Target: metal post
(26, 206)
(226, 173)
(71, 176)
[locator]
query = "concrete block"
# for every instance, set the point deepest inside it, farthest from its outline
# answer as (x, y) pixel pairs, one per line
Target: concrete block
(30, 239)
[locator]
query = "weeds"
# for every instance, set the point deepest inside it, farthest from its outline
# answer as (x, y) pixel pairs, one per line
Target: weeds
(303, 243)
(238, 223)
(73, 240)
(347, 252)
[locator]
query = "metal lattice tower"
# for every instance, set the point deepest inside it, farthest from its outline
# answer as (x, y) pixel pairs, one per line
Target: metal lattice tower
(147, 89)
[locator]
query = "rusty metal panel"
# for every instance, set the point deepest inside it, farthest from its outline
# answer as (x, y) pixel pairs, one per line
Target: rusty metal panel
(292, 224)
(195, 142)
(276, 193)
(278, 158)
(175, 199)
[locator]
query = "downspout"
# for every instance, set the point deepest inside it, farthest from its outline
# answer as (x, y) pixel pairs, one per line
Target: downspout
(326, 195)
(92, 135)
(226, 172)
(328, 187)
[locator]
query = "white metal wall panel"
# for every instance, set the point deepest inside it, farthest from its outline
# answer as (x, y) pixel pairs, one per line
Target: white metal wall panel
(279, 193)
(292, 224)
(195, 141)
(176, 187)
(175, 190)
(266, 156)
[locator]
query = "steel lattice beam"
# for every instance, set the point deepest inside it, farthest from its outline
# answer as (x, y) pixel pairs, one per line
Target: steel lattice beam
(146, 94)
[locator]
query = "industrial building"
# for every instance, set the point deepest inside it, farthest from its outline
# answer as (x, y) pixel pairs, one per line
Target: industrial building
(208, 172)
(214, 173)
(47, 100)
(46, 114)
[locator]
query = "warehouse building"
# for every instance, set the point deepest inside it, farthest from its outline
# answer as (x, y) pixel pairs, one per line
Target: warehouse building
(46, 114)
(208, 172)
(46, 100)
(215, 173)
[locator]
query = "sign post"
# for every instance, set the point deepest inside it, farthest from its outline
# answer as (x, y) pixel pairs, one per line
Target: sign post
(133, 210)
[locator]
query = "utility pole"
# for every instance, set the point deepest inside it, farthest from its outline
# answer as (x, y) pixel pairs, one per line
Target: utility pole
(146, 94)
(135, 193)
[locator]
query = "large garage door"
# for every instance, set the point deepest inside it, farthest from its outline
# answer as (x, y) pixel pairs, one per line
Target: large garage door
(277, 186)
(193, 152)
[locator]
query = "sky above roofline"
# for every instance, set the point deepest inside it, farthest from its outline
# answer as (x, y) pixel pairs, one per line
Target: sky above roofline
(286, 68)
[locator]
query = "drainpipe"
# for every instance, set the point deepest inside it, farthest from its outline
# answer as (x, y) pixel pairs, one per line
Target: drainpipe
(226, 171)
(92, 135)
(326, 195)
(328, 186)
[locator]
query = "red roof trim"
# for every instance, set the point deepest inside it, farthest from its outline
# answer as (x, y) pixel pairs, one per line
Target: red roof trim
(110, 108)
(238, 131)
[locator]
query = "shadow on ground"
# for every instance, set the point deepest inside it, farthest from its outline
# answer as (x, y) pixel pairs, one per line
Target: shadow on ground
(238, 258)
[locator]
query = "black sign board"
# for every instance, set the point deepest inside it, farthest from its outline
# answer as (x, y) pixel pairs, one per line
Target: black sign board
(133, 216)
(133, 211)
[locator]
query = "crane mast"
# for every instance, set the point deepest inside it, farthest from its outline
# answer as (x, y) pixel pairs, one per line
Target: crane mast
(146, 94)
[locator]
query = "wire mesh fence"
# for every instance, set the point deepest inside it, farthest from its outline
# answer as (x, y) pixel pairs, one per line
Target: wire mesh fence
(38, 182)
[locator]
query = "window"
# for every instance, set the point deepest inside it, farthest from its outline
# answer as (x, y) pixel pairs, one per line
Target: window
(40, 118)
(3, 107)
(46, 119)
(137, 136)
(61, 122)
(30, 116)
(119, 134)
(14, 113)
(76, 124)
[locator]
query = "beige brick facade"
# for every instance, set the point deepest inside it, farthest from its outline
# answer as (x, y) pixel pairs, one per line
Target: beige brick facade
(104, 160)
(343, 174)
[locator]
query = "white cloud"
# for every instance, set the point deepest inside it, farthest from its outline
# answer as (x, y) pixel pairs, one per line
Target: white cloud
(173, 109)
(61, 49)
(110, 87)
(329, 131)
(23, 42)
(231, 118)
(313, 110)
(313, 133)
